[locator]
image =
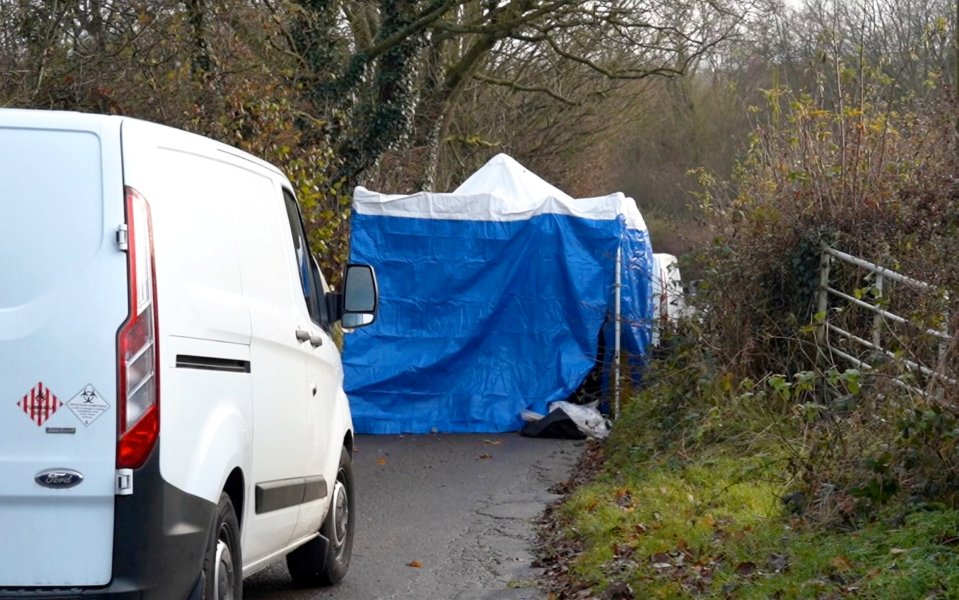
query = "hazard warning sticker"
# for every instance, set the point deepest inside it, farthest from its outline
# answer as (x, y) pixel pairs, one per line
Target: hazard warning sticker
(39, 404)
(88, 404)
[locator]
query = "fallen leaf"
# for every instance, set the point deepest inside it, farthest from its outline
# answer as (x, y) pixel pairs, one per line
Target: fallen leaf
(381, 461)
(492, 442)
(840, 563)
(485, 456)
(415, 564)
(745, 568)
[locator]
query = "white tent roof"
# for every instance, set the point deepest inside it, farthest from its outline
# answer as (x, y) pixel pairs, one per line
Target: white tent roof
(504, 177)
(502, 190)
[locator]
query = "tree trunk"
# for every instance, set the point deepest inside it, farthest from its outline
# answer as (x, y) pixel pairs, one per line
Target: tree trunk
(201, 60)
(388, 119)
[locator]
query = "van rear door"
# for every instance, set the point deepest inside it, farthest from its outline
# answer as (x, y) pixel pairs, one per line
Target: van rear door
(63, 296)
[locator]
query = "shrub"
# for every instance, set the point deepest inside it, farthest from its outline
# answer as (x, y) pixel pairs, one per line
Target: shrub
(877, 180)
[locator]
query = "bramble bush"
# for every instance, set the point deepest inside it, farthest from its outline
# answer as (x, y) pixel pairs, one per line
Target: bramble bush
(875, 178)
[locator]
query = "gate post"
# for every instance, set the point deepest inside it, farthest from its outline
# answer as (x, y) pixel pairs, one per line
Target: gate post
(877, 318)
(822, 300)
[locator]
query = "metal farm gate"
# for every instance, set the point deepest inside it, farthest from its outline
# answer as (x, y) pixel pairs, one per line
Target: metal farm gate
(875, 341)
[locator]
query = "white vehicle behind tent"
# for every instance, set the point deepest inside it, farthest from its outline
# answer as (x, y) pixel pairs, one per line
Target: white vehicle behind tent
(668, 301)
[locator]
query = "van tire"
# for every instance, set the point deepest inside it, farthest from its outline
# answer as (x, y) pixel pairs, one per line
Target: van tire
(223, 565)
(324, 560)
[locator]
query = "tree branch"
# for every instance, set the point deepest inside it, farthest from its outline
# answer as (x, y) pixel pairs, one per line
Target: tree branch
(513, 85)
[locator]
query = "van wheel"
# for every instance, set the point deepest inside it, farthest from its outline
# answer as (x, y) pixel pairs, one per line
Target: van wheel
(324, 560)
(222, 567)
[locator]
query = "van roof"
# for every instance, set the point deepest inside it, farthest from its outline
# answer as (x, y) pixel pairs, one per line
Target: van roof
(56, 119)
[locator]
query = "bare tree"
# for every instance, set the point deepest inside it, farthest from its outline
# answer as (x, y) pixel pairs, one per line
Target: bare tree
(389, 76)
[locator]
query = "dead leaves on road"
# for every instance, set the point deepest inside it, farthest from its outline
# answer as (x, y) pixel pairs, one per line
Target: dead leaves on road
(486, 455)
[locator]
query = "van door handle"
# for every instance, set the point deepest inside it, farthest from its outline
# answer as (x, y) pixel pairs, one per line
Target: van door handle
(302, 335)
(316, 340)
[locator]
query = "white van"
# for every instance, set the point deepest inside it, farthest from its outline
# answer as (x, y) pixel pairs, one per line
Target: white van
(172, 416)
(669, 304)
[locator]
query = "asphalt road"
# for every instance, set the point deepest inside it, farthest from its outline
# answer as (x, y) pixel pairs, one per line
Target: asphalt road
(460, 506)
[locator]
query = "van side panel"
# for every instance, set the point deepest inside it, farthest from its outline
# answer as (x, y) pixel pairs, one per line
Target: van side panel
(63, 295)
(190, 196)
(340, 422)
(272, 287)
(204, 323)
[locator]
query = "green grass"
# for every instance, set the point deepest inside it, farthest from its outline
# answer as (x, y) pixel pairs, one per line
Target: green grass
(637, 523)
(715, 528)
(704, 519)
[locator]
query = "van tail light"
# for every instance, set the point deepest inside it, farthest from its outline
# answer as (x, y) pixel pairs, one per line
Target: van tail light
(138, 377)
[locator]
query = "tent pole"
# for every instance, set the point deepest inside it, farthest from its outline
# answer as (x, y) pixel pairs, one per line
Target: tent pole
(618, 293)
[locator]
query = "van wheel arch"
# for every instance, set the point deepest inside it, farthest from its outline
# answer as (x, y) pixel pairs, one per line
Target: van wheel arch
(233, 488)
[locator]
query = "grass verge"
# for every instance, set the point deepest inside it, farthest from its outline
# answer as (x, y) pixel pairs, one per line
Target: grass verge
(690, 504)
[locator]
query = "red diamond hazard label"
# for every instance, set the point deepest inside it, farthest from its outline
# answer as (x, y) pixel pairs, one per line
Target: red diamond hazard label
(39, 404)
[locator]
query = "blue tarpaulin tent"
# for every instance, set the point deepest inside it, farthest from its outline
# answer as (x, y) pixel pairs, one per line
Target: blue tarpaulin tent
(492, 300)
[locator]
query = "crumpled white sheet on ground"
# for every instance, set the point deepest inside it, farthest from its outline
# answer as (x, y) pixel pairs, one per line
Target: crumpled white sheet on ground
(587, 417)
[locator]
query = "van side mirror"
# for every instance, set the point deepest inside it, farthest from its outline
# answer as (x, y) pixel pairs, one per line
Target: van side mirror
(360, 297)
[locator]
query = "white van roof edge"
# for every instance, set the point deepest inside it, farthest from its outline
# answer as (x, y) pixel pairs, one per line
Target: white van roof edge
(54, 117)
